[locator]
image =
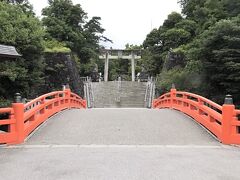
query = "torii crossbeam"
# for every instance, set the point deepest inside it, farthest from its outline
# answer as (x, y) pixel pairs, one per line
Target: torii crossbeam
(108, 54)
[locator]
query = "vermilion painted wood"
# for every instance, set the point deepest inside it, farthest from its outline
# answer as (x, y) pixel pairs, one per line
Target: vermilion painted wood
(24, 118)
(222, 121)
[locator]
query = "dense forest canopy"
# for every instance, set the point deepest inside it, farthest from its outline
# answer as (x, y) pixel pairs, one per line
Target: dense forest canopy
(64, 28)
(198, 50)
(25, 32)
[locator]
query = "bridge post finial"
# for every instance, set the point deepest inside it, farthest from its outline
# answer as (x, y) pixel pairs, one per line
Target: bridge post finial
(17, 98)
(228, 99)
(67, 86)
(228, 111)
(173, 86)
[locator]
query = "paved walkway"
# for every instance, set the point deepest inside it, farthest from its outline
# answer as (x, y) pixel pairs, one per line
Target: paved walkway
(120, 144)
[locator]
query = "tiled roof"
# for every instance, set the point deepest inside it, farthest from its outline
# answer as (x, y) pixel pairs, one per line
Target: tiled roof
(8, 51)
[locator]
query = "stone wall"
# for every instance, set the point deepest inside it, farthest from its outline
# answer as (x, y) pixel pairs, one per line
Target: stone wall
(61, 69)
(173, 60)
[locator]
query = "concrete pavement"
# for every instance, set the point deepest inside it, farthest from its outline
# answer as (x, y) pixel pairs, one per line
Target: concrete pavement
(122, 126)
(120, 144)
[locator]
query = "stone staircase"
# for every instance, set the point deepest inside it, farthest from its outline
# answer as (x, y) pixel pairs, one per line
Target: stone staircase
(113, 94)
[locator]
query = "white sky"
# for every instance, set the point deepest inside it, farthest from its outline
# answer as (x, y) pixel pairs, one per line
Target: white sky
(125, 21)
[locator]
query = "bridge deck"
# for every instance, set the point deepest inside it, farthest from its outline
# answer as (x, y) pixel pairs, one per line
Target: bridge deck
(122, 126)
(120, 144)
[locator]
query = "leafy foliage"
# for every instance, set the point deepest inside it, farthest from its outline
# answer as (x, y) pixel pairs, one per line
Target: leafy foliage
(65, 28)
(198, 50)
(25, 32)
(174, 32)
(219, 53)
(202, 49)
(53, 46)
(69, 24)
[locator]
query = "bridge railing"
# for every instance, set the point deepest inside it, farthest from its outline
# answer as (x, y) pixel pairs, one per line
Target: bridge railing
(22, 119)
(222, 121)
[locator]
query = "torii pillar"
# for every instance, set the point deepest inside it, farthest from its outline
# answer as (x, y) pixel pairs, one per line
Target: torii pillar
(106, 67)
(133, 65)
(131, 55)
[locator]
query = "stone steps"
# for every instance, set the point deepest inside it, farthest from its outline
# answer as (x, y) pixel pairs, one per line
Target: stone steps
(106, 94)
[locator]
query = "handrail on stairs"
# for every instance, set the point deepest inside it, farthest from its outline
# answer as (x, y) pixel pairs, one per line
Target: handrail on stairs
(150, 92)
(119, 85)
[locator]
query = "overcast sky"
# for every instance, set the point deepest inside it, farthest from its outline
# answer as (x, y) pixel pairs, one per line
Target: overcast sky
(125, 21)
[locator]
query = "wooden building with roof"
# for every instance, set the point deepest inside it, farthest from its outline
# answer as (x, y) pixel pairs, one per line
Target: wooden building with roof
(8, 52)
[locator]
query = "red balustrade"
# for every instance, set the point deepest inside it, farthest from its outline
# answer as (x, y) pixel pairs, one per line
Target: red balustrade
(22, 119)
(222, 121)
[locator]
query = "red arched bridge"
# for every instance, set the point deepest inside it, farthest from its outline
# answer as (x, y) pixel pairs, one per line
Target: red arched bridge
(184, 136)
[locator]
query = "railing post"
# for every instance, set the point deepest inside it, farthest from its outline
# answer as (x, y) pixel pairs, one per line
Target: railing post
(154, 103)
(200, 103)
(18, 109)
(84, 103)
(173, 92)
(43, 107)
(227, 116)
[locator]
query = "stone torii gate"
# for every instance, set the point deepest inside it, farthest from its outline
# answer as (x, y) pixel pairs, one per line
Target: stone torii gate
(110, 54)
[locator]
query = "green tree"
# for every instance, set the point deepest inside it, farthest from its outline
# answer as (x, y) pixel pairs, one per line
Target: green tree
(64, 22)
(24, 4)
(68, 23)
(231, 7)
(206, 41)
(175, 37)
(174, 32)
(188, 25)
(172, 20)
(25, 32)
(219, 52)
